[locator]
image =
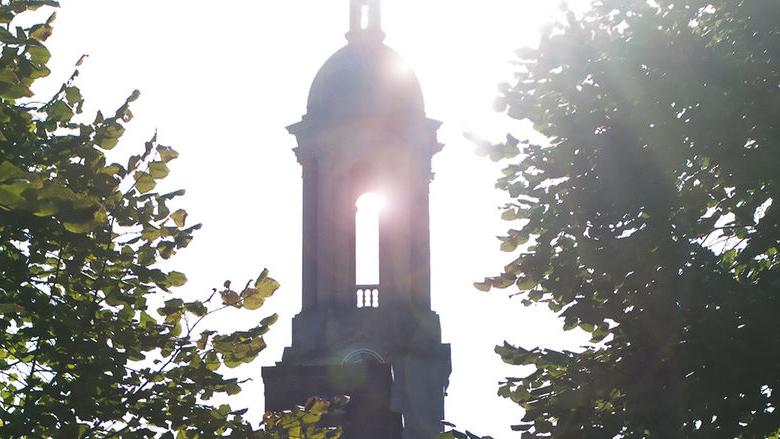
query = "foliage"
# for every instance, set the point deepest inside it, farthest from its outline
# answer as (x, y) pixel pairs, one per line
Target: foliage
(303, 422)
(81, 354)
(649, 220)
(451, 433)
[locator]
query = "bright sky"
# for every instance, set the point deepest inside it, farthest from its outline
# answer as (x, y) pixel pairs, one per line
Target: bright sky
(221, 80)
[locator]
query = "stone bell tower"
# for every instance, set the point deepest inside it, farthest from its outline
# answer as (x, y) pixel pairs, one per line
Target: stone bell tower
(365, 130)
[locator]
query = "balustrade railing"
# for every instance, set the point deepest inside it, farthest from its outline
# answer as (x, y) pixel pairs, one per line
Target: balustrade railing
(367, 296)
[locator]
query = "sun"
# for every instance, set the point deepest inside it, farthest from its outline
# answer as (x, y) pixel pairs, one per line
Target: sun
(371, 203)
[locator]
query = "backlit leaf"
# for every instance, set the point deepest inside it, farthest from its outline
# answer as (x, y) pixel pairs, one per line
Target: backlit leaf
(158, 170)
(176, 279)
(179, 217)
(167, 153)
(144, 182)
(212, 361)
(267, 287)
(59, 111)
(38, 54)
(41, 32)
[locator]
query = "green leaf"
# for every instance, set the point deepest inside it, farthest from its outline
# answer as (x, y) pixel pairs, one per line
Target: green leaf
(212, 361)
(270, 320)
(266, 287)
(176, 279)
(525, 283)
(41, 32)
(7, 37)
(39, 55)
(112, 170)
(72, 95)
(59, 111)
(177, 328)
(8, 75)
(10, 171)
(252, 298)
(107, 136)
(233, 388)
(197, 308)
(167, 153)
(132, 163)
(147, 321)
(482, 286)
(508, 244)
(14, 91)
(179, 217)
(144, 182)
(6, 308)
(83, 227)
(158, 170)
(172, 306)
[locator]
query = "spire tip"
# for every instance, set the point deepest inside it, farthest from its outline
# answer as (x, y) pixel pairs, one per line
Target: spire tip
(365, 19)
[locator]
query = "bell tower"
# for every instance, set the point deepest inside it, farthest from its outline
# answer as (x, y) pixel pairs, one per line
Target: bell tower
(365, 131)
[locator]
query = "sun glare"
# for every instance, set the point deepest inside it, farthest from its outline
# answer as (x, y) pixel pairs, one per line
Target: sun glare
(372, 203)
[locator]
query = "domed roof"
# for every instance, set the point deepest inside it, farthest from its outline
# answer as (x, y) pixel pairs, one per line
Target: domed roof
(365, 78)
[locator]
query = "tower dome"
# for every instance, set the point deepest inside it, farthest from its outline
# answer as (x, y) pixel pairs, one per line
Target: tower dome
(365, 78)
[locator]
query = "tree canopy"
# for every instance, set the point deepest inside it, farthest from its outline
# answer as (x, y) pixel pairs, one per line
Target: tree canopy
(81, 238)
(649, 219)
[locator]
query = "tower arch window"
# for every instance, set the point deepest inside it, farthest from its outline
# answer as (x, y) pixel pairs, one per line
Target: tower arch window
(364, 17)
(369, 208)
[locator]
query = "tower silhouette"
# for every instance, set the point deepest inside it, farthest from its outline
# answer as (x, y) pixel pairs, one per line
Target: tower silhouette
(365, 130)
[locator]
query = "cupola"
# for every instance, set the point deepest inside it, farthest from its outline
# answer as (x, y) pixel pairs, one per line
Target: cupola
(365, 77)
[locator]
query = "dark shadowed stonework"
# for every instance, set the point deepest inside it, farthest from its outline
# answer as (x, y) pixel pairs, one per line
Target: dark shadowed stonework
(365, 131)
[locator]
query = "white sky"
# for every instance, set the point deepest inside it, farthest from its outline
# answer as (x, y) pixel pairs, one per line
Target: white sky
(221, 80)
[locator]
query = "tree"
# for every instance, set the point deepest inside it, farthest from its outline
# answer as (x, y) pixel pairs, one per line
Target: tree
(649, 220)
(81, 354)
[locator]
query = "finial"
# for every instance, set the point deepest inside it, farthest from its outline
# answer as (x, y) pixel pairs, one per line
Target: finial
(365, 20)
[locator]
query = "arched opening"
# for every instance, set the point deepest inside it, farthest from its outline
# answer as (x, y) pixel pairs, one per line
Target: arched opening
(364, 17)
(369, 207)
